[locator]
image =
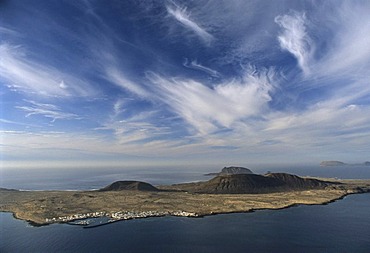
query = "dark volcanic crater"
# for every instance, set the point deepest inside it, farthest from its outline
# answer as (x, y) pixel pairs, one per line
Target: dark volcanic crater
(129, 185)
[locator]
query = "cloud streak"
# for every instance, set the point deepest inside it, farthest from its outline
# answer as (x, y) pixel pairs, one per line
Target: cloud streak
(349, 51)
(195, 65)
(183, 17)
(116, 77)
(294, 38)
(20, 72)
(47, 110)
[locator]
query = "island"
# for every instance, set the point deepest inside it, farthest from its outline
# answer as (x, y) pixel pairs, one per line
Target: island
(332, 163)
(339, 163)
(225, 193)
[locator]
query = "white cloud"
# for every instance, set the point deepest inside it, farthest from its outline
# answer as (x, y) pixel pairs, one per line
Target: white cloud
(109, 65)
(195, 65)
(183, 17)
(129, 128)
(118, 107)
(323, 124)
(294, 38)
(232, 113)
(46, 110)
(207, 109)
(11, 122)
(116, 77)
(20, 72)
(341, 45)
(63, 85)
(131, 131)
(7, 31)
(25, 146)
(349, 51)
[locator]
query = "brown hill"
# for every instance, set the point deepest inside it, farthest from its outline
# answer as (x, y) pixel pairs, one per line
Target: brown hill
(239, 183)
(129, 185)
(252, 183)
(296, 182)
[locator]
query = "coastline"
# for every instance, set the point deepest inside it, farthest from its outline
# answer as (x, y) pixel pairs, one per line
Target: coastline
(36, 222)
(310, 225)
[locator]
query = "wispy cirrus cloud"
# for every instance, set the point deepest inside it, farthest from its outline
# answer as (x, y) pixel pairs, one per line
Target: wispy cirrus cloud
(11, 122)
(210, 108)
(116, 77)
(294, 38)
(349, 51)
(341, 45)
(321, 128)
(182, 15)
(21, 72)
(132, 126)
(46, 110)
(109, 62)
(195, 65)
(7, 31)
(175, 112)
(130, 131)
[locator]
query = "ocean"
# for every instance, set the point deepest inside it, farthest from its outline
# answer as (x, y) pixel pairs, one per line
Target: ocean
(95, 178)
(342, 226)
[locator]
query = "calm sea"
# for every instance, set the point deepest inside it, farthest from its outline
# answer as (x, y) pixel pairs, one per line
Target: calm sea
(94, 178)
(343, 226)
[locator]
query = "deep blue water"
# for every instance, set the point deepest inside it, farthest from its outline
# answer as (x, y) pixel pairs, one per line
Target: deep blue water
(343, 226)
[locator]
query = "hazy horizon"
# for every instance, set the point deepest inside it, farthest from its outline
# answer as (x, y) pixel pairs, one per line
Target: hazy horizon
(167, 83)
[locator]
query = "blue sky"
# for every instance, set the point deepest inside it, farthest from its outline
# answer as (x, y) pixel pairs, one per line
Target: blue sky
(184, 82)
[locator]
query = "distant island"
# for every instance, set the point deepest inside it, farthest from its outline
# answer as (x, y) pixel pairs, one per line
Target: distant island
(225, 193)
(332, 163)
(339, 163)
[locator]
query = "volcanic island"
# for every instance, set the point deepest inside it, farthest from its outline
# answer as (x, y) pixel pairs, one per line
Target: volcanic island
(234, 189)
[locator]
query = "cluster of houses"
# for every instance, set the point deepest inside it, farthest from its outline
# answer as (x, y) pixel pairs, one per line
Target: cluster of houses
(76, 217)
(183, 213)
(133, 215)
(121, 215)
